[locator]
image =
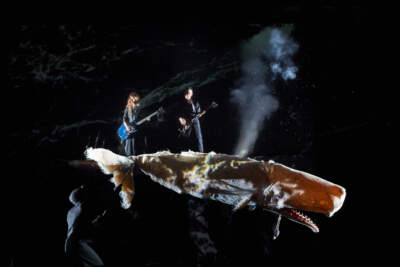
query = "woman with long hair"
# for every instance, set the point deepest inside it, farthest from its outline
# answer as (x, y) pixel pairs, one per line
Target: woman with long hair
(129, 120)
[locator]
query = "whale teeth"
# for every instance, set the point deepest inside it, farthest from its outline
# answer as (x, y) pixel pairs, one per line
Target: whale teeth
(302, 218)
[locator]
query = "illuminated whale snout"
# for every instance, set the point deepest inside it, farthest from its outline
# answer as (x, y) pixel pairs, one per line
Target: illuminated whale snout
(291, 190)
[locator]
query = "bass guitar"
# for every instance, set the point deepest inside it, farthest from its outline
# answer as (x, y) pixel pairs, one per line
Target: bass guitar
(123, 133)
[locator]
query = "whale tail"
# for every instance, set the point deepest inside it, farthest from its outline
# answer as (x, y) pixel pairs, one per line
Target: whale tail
(121, 167)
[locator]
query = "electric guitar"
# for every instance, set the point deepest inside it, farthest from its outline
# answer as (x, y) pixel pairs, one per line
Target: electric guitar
(183, 130)
(124, 133)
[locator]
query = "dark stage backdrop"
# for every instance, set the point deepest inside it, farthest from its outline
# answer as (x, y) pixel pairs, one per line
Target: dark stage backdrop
(67, 85)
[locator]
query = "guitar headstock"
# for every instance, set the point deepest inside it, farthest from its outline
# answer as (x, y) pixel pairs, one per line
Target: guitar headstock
(214, 104)
(161, 110)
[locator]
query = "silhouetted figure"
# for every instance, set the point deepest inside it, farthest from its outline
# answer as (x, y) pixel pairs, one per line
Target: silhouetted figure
(91, 204)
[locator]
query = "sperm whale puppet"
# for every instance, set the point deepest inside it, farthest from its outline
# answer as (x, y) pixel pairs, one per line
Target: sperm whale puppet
(233, 180)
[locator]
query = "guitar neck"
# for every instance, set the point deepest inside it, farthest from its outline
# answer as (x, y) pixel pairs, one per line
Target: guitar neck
(203, 112)
(145, 118)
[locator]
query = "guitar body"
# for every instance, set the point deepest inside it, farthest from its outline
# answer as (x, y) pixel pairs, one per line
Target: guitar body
(183, 131)
(123, 133)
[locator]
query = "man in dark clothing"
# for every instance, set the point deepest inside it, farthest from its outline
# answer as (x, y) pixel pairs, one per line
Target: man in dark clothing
(84, 219)
(197, 221)
(188, 117)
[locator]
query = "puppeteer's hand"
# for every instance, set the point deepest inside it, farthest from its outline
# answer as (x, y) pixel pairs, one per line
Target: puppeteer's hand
(182, 121)
(148, 119)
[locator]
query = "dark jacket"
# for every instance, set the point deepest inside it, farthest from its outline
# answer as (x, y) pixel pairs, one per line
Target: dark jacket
(189, 110)
(131, 119)
(89, 202)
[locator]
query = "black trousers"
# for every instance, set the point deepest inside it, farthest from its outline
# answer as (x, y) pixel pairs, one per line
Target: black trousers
(129, 146)
(83, 255)
(137, 144)
(197, 131)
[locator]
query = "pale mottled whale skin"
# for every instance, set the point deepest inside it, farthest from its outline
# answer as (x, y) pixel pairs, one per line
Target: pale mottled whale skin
(230, 179)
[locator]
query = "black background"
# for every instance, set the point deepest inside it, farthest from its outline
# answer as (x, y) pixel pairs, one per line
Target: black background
(335, 120)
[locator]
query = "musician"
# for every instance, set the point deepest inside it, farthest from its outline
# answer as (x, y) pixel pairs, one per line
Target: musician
(198, 221)
(129, 120)
(190, 109)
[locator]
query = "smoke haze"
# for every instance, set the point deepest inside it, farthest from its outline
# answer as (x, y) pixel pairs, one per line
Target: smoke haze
(265, 57)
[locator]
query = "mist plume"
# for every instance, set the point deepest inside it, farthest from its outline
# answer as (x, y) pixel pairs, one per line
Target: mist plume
(266, 57)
